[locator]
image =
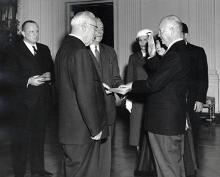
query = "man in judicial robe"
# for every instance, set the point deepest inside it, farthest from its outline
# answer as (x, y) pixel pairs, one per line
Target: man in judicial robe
(32, 73)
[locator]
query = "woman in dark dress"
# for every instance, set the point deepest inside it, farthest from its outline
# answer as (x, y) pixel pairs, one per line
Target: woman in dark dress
(135, 105)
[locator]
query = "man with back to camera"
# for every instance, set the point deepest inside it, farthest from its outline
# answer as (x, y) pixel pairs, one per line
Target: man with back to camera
(32, 71)
(166, 105)
(106, 62)
(82, 111)
(138, 137)
(197, 95)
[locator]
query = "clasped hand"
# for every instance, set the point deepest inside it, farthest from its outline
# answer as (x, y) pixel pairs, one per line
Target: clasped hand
(39, 79)
(97, 137)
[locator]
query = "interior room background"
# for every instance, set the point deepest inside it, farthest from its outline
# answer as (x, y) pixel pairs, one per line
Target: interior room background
(129, 16)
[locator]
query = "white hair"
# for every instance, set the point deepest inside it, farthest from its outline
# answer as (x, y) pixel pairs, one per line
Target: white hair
(81, 18)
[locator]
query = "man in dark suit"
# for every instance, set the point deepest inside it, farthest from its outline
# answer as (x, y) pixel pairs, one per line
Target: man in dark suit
(81, 99)
(197, 93)
(32, 69)
(106, 62)
(166, 99)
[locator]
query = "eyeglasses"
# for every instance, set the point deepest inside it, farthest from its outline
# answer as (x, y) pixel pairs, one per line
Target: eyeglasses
(93, 25)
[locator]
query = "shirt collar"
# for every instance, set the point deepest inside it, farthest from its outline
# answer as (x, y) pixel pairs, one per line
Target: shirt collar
(30, 46)
(92, 47)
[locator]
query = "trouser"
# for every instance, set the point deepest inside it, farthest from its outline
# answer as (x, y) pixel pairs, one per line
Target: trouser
(168, 154)
(88, 160)
(189, 154)
(27, 137)
(195, 123)
(106, 155)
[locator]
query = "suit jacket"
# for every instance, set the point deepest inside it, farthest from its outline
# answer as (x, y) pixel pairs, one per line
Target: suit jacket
(23, 65)
(81, 101)
(108, 71)
(166, 89)
(199, 74)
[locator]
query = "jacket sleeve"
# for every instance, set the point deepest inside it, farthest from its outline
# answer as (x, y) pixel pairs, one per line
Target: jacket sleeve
(16, 76)
(163, 75)
(202, 76)
(50, 65)
(152, 64)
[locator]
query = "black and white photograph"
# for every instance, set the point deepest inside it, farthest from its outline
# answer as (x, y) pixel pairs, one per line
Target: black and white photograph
(109, 88)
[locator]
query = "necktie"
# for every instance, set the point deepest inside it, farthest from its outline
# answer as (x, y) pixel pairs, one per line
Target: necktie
(35, 50)
(97, 54)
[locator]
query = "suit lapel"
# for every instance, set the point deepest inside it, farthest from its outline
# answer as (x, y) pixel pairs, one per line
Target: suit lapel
(97, 65)
(26, 51)
(104, 61)
(27, 55)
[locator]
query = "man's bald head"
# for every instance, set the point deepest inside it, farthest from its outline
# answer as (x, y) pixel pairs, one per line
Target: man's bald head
(170, 29)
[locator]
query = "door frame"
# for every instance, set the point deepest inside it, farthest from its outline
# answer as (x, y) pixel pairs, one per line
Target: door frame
(81, 2)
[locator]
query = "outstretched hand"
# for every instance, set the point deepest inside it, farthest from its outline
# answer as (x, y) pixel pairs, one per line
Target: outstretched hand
(106, 87)
(122, 89)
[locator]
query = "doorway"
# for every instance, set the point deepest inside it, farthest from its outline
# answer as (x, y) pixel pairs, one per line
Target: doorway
(103, 10)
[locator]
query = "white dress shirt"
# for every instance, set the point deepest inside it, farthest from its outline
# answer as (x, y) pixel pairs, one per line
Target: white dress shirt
(30, 47)
(92, 47)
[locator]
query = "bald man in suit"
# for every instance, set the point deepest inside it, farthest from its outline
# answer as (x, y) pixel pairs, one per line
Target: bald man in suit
(166, 90)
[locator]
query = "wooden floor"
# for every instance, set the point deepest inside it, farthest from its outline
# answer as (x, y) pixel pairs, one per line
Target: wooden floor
(123, 155)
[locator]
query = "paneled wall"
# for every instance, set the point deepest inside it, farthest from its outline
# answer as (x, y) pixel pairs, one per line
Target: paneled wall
(128, 23)
(49, 14)
(202, 17)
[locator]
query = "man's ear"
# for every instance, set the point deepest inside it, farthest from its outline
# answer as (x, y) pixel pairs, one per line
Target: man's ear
(172, 30)
(84, 27)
